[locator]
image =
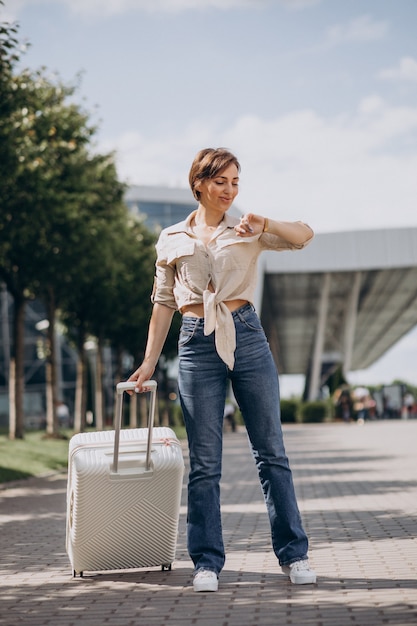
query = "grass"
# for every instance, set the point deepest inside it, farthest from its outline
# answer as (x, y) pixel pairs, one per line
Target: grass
(36, 455)
(32, 456)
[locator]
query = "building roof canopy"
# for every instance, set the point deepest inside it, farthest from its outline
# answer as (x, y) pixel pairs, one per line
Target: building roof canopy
(384, 265)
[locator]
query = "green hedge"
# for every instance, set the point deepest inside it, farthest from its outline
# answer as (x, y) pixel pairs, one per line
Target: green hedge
(313, 412)
(289, 410)
(292, 411)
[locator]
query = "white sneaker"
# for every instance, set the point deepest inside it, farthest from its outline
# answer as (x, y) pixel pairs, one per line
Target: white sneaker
(300, 572)
(205, 580)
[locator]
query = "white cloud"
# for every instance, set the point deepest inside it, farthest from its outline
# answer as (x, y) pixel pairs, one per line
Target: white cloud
(338, 174)
(10, 13)
(352, 171)
(160, 161)
(371, 104)
(105, 8)
(405, 70)
(298, 4)
(362, 28)
(111, 7)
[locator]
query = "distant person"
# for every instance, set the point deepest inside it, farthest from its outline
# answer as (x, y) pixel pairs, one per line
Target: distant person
(63, 415)
(409, 404)
(207, 269)
(345, 406)
(388, 408)
(229, 415)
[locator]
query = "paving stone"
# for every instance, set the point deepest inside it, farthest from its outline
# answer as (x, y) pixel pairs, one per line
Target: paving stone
(357, 491)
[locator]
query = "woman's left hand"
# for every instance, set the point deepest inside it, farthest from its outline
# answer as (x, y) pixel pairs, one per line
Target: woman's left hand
(250, 225)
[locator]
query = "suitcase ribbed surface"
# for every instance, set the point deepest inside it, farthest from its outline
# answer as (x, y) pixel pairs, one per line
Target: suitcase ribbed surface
(129, 520)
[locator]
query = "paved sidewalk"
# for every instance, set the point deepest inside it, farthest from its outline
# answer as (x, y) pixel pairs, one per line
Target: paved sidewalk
(357, 488)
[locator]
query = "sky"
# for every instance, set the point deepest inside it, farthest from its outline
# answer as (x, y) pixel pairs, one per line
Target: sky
(317, 98)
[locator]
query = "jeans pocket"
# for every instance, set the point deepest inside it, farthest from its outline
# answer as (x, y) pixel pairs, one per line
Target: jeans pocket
(187, 332)
(251, 321)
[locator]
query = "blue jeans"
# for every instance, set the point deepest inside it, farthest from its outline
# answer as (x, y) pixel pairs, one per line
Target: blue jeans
(203, 380)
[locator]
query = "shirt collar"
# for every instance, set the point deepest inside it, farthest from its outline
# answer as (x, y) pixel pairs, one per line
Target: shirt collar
(185, 226)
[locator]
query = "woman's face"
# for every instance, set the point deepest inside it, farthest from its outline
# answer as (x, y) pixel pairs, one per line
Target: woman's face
(219, 192)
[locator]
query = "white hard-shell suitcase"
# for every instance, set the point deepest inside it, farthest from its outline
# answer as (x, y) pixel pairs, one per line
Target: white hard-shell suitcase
(123, 495)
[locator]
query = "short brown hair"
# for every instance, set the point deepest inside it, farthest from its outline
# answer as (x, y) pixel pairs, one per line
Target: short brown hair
(208, 163)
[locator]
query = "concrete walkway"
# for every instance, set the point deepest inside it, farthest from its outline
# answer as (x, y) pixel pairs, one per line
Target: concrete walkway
(357, 488)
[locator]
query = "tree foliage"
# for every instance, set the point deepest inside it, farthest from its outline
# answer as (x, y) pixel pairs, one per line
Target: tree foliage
(65, 233)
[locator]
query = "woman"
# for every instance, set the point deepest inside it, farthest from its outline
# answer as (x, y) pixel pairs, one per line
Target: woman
(206, 268)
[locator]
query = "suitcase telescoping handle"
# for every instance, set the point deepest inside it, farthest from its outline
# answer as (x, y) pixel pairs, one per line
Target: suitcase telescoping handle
(120, 389)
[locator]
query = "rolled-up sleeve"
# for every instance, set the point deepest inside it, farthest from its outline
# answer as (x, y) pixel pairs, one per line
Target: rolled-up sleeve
(305, 234)
(164, 280)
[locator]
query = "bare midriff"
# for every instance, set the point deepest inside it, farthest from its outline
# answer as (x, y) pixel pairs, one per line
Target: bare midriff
(197, 310)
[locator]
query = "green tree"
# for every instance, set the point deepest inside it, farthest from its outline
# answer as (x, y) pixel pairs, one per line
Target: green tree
(9, 57)
(121, 320)
(45, 195)
(79, 258)
(89, 307)
(17, 285)
(65, 234)
(126, 323)
(56, 199)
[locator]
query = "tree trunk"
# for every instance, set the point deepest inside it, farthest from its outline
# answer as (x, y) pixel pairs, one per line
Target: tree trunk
(78, 396)
(117, 374)
(12, 401)
(133, 411)
(84, 388)
(80, 408)
(49, 397)
(98, 391)
(163, 414)
(17, 428)
(52, 425)
(143, 410)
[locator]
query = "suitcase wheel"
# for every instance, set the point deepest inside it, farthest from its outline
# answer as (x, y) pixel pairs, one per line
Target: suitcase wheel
(166, 566)
(74, 574)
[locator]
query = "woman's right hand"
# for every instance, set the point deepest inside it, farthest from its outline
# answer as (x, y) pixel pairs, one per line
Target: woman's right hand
(144, 372)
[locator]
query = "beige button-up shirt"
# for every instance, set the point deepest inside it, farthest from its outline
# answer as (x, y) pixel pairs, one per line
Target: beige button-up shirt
(185, 268)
